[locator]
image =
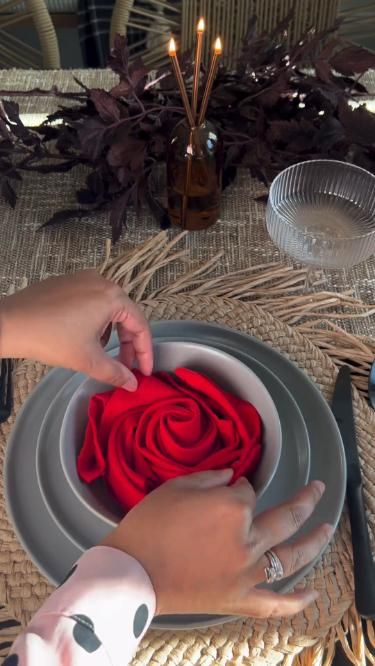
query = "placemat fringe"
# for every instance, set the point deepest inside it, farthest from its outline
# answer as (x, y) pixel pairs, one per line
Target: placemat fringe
(276, 287)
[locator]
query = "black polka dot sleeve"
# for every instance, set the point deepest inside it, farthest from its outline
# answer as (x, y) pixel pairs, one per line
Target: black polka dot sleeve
(96, 617)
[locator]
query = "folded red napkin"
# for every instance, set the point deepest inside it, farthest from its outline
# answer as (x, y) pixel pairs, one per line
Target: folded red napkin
(174, 424)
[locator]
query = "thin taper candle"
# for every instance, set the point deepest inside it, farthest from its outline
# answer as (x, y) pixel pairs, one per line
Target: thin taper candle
(210, 79)
(197, 67)
(177, 71)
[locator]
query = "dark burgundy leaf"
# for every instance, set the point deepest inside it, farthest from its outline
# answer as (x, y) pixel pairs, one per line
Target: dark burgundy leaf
(124, 175)
(129, 152)
(233, 155)
(118, 215)
(146, 126)
(158, 145)
(330, 134)
(8, 193)
(137, 73)
(282, 130)
(167, 82)
(157, 209)
(22, 133)
(95, 183)
(117, 155)
(248, 111)
(3, 128)
(5, 163)
(64, 216)
(93, 137)
(329, 47)
(353, 60)
(323, 70)
(86, 196)
(303, 140)
(271, 94)
(106, 106)
(323, 99)
(359, 124)
(12, 110)
(59, 167)
(283, 25)
(229, 175)
(364, 159)
(6, 147)
(186, 63)
(251, 30)
(14, 175)
(122, 89)
(49, 133)
(119, 58)
(221, 95)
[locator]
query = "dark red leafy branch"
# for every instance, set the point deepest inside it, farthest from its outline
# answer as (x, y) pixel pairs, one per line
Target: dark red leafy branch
(278, 106)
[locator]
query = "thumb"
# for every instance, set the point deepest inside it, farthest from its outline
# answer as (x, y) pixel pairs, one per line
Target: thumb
(106, 369)
(211, 479)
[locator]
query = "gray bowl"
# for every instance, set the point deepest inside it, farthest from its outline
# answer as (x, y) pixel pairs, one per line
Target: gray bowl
(225, 370)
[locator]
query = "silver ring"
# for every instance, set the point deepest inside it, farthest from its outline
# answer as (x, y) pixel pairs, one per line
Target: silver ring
(275, 571)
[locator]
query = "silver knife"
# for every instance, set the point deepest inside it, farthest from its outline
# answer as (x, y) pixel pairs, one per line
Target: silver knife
(364, 566)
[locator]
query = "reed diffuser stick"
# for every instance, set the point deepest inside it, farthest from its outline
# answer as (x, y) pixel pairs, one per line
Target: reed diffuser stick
(210, 79)
(178, 74)
(197, 67)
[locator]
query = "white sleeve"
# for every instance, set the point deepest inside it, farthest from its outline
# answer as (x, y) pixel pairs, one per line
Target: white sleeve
(95, 618)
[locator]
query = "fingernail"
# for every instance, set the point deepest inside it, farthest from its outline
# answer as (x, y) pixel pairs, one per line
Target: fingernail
(328, 529)
(131, 384)
(320, 486)
(228, 471)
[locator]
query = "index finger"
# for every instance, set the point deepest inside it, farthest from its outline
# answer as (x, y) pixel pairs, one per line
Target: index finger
(131, 321)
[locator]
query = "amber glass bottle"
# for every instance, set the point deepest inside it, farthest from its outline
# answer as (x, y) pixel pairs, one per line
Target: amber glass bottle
(194, 175)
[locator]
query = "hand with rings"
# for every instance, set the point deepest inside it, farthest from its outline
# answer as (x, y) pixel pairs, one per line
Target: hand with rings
(206, 552)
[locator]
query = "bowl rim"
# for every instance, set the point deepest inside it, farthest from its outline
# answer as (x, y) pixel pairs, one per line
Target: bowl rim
(88, 379)
(292, 167)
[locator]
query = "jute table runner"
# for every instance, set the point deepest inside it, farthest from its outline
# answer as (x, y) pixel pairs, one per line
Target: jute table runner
(234, 259)
(27, 254)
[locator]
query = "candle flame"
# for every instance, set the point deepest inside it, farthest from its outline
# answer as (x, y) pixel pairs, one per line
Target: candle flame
(218, 48)
(172, 47)
(201, 25)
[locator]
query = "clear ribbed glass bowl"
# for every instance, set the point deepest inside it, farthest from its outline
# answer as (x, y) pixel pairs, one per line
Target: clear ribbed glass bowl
(322, 213)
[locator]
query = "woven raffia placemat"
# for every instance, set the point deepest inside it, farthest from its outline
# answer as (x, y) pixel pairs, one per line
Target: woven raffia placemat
(23, 588)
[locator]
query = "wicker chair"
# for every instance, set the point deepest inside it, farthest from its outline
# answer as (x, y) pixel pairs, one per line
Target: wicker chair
(155, 24)
(358, 21)
(16, 53)
(225, 17)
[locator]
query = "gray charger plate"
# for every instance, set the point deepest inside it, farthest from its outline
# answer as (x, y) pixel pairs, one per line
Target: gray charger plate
(35, 526)
(85, 529)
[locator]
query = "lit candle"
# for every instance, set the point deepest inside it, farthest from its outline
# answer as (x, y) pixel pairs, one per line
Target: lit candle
(197, 66)
(177, 71)
(210, 79)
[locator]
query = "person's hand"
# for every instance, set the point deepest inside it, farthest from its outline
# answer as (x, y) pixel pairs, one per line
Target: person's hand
(203, 549)
(61, 321)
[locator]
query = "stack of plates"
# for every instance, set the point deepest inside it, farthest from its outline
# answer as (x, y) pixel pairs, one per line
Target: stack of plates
(55, 527)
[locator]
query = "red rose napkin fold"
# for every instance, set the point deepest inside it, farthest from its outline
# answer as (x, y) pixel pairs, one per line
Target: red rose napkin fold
(174, 424)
